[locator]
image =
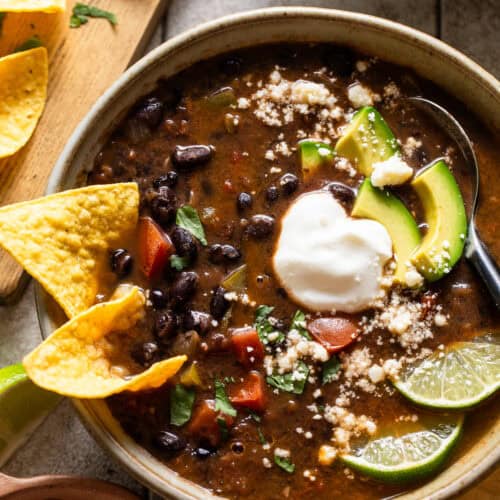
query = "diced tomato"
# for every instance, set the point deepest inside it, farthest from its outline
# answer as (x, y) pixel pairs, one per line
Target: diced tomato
(204, 424)
(250, 393)
(333, 333)
(247, 346)
(155, 247)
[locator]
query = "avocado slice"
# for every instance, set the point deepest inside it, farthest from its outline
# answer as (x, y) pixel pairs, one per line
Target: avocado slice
(367, 140)
(445, 215)
(313, 155)
(389, 210)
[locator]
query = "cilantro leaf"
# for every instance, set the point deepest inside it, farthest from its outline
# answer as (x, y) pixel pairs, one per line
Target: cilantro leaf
(187, 218)
(294, 382)
(31, 43)
(179, 263)
(222, 402)
(330, 370)
(264, 326)
(181, 404)
(81, 13)
(254, 416)
(285, 464)
(262, 438)
(299, 324)
(224, 431)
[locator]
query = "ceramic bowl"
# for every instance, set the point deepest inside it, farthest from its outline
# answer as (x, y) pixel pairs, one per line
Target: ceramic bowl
(393, 42)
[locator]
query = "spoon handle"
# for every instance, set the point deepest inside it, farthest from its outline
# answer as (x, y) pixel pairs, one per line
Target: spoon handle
(480, 258)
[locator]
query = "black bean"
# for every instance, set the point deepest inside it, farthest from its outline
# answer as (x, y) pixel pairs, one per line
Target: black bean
(163, 206)
(183, 288)
(272, 194)
(198, 321)
(203, 453)
(260, 226)
(237, 447)
(165, 325)
(169, 441)
(121, 262)
(184, 242)
(231, 66)
(289, 183)
(340, 60)
(145, 353)
(244, 201)
(187, 157)
(218, 303)
(186, 344)
(220, 254)
(150, 111)
(343, 193)
(158, 298)
(169, 179)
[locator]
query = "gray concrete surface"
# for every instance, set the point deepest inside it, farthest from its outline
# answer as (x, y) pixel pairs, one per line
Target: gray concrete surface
(61, 444)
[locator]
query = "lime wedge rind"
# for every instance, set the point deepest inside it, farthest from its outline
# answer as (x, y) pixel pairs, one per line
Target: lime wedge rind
(23, 407)
(407, 458)
(460, 377)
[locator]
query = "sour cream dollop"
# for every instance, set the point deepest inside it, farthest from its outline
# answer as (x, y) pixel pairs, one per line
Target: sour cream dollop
(328, 261)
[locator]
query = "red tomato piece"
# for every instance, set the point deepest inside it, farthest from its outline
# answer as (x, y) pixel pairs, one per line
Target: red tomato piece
(247, 346)
(155, 247)
(333, 333)
(250, 393)
(204, 424)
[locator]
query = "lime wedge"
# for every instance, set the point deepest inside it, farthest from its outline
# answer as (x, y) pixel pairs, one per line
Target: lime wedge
(458, 377)
(23, 406)
(409, 457)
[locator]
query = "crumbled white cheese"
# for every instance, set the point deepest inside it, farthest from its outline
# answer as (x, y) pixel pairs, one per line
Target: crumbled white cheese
(376, 374)
(359, 95)
(413, 278)
(243, 103)
(266, 463)
(440, 319)
(282, 453)
(306, 92)
(361, 66)
(391, 172)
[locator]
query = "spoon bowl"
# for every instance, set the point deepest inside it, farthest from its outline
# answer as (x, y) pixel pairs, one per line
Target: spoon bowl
(475, 250)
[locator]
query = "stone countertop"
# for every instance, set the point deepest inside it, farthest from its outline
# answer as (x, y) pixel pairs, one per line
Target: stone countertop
(61, 444)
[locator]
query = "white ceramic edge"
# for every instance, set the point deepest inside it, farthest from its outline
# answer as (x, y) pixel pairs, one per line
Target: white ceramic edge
(106, 439)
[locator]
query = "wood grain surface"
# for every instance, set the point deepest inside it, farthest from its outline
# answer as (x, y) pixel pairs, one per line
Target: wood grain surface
(83, 63)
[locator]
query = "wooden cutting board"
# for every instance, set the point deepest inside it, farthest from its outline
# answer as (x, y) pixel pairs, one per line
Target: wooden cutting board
(83, 63)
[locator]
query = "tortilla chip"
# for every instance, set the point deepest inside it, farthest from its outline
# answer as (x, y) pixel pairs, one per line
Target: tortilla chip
(23, 92)
(73, 361)
(63, 240)
(32, 5)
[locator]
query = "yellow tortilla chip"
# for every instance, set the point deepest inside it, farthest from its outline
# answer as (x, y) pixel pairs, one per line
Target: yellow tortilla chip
(74, 362)
(23, 92)
(32, 5)
(63, 240)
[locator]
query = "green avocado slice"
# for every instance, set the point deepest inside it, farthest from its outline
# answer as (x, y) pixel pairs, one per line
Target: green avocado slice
(313, 155)
(389, 210)
(445, 215)
(367, 140)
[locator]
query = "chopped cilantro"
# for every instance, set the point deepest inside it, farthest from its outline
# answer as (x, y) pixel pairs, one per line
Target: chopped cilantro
(31, 43)
(254, 416)
(285, 464)
(264, 326)
(179, 263)
(299, 324)
(330, 370)
(229, 380)
(181, 404)
(82, 12)
(187, 218)
(291, 382)
(224, 431)
(222, 402)
(262, 438)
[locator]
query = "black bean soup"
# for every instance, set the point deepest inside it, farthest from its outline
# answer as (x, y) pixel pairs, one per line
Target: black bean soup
(217, 146)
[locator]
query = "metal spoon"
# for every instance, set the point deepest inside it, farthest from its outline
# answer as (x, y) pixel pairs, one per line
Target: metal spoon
(475, 250)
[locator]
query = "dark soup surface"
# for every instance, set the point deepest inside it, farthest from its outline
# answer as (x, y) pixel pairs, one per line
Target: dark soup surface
(291, 246)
